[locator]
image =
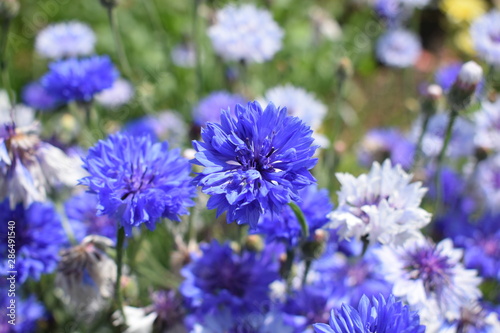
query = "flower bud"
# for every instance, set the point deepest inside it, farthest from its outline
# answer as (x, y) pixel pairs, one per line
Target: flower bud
(463, 89)
(344, 70)
(9, 9)
(430, 98)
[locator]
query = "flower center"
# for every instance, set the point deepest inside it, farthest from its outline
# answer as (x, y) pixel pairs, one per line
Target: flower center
(430, 267)
(139, 179)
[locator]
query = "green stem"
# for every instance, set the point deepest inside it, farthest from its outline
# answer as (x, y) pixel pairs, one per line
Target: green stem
(122, 56)
(154, 15)
(119, 266)
(440, 158)
(287, 266)
(418, 149)
(199, 72)
(4, 37)
(301, 218)
(307, 268)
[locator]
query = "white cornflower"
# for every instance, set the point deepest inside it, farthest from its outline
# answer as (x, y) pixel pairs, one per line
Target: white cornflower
(245, 33)
(383, 205)
(120, 93)
(487, 134)
(429, 277)
(67, 39)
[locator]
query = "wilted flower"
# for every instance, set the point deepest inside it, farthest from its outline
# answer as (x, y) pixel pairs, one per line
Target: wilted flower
(29, 167)
(398, 48)
(67, 39)
(245, 33)
(255, 163)
(484, 32)
(138, 181)
(119, 94)
(209, 108)
(79, 79)
(430, 276)
(379, 315)
(39, 237)
(383, 205)
(86, 275)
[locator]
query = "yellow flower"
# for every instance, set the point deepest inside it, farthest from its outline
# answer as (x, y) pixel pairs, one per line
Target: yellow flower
(463, 10)
(464, 42)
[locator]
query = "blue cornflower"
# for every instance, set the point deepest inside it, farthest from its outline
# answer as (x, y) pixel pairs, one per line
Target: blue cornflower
(39, 236)
(27, 311)
(37, 97)
(378, 315)
(285, 227)
(221, 276)
(81, 210)
(398, 48)
(209, 108)
(255, 163)
(138, 181)
(79, 79)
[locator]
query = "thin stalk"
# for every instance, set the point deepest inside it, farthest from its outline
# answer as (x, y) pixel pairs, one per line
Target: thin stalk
(4, 37)
(418, 149)
(122, 56)
(119, 266)
(199, 72)
(307, 268)
(301, 218)
(440, 158)
(287, 266)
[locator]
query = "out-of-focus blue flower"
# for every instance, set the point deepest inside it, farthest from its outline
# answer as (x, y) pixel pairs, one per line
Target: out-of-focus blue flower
(81, 210)
(285, 227)
(166, 125)
(119, 94)
(209, 108)
(221, 276)
(350, 279)
(138, 181)
(218, 320)
(447, 75)
(79, 79)
(488, 181)
(255, 163)
(376, 316)
(67, 39)
(27, 314)
(36, 96)
(168, 306)
(38, 238)
(382, 143)
(245, 33)
(487, 121)
(184, 55)
(398, 48)
(485, 35)
(480, 241)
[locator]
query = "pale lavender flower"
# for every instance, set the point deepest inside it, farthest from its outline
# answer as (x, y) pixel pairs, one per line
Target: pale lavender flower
(485, 33)
(399, 48)
(67, 39)
(488, 181)
(245, 33)
(120, 93)
(487, 120)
